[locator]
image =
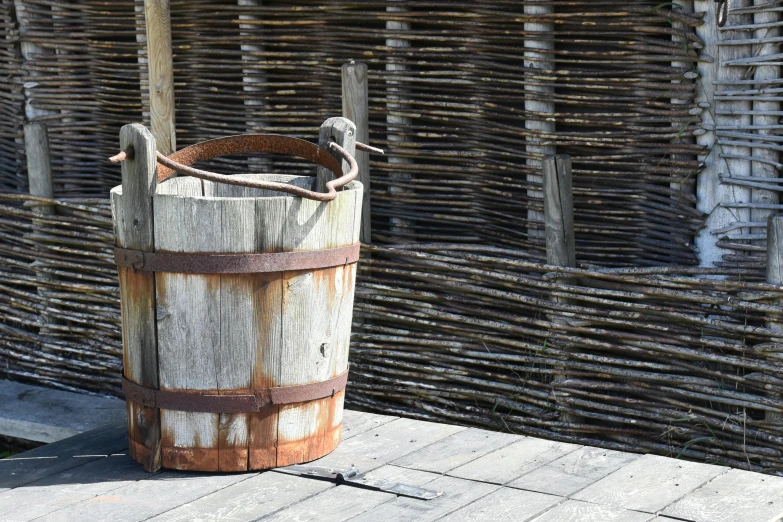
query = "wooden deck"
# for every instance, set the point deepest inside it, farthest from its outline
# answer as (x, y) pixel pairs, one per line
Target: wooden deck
(483, 476)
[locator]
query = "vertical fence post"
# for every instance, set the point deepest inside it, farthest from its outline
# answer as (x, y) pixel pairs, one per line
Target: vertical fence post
(559, 211)
(39, 175)
(559, 228)
(161, 67)
(254, 77)
(39, 165)
(397, 125)
(539, 104)
(356, 109)
(775, 277)
(765, 109)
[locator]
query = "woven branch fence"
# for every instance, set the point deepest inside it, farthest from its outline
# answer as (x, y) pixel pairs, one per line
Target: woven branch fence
(664, 360)
(454, 93)
(11, 102)
(457, 319)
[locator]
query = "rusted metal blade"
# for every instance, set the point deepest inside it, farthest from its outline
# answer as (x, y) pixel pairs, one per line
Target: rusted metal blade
(352, 477)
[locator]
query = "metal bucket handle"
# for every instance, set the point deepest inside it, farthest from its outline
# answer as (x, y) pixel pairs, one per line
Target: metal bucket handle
(181, 161)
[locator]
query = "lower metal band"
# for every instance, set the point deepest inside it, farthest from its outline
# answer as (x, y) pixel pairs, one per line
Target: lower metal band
(208, 402)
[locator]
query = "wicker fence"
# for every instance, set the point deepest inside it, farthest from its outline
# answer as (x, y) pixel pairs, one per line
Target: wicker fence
(460, 103)
(457, 319)
(666, 360)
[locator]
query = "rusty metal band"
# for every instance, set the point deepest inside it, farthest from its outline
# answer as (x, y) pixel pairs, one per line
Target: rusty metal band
(195, 401)
(200, 263)
(182, 161)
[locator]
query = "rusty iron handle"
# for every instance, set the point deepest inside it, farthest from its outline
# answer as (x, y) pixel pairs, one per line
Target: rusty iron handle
(182, 160)
(331, 186)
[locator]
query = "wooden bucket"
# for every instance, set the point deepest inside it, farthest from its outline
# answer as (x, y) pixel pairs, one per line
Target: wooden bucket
(217, 363)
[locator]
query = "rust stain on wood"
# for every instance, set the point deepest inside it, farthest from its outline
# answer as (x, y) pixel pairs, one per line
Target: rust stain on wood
(262, 426)
(190, 459)
(131, 430)
(143, 434)
(323, 439)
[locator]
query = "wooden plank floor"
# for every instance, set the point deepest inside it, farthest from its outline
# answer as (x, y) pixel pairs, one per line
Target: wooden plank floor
(47, 415)
(483, 476)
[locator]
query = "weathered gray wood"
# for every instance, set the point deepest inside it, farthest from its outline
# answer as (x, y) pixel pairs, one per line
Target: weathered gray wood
(144, 499)
(267, 292)
(39, 164)
(649, 483)
(456, 494)
(573, 510)
(505, 504)
(316, 322)
(125, 493)
(574, 471)
(775, 261)
(61, 455)
(356, 109)
(161, 74)
(338, 503)
(254, 77)
(559, 211)
(763, 110)
(222, 190)
(456, 450)
(539, 56)
(248, 500)
(508, 463)
(559, 225)
(355, 422)
(238, 348)
(737, 496)
(48, 415)
(720, 157)
(397, 105)
(388, 442)
(189, 328)
(182, 186)
(235, 325)
(237, 332)
(775, 277)
(343, 132)
(708, 179)
(133, 223)
(69, 487)
(39, 176)
(27, 16)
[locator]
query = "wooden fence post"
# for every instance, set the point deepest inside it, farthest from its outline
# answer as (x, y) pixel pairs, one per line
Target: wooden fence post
(39, 175)
(398, 126)
(539, 104)
(39, 165)
(775, 277)
(356, 109)
(765, 109)
(161, 67)
(559, 211)
(133, 229)
(559, 228)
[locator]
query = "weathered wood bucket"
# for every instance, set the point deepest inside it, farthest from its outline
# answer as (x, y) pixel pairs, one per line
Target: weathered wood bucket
(236, 306)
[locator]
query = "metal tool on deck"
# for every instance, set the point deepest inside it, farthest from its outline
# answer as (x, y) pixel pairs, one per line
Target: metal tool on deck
(352, 477)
